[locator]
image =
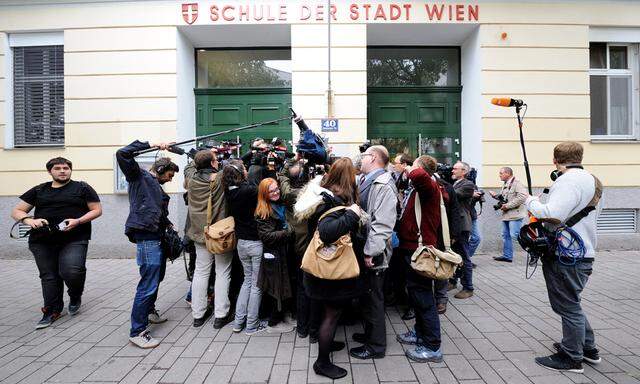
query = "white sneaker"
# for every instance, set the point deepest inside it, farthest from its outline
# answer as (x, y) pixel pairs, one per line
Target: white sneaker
(144, 340)
(281, 327)
(155, 318)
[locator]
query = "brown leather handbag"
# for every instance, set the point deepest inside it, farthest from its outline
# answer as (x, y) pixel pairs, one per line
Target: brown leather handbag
(429, 261)
(219, 237)
(335, 261)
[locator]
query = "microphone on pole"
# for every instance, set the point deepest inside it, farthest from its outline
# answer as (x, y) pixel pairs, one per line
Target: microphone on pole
(507, 102)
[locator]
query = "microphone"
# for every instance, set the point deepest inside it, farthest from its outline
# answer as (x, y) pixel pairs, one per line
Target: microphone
(507, 102)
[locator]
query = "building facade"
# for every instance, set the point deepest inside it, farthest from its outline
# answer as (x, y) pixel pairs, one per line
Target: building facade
(79, 79)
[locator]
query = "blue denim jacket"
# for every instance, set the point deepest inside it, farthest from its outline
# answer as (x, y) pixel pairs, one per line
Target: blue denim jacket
(146, 207)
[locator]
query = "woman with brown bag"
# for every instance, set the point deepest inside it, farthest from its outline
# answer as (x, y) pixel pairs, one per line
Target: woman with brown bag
(337, 189)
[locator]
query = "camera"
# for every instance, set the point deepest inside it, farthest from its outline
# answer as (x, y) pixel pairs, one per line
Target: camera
(501, 201)
(364, 146)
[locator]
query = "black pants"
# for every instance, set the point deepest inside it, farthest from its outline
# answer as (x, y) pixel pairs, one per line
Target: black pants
(464, 273)
(309, 311)
(420, 291)
(373, 315)
(60, 264)
(565, 284)
(396, 278)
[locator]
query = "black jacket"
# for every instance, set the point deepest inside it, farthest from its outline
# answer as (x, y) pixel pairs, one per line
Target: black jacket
(331, 228)
(453, 210)
(273, 277)
(242, 201)
(148, 203)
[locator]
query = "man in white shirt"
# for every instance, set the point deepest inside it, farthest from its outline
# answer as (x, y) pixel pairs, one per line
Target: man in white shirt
(569, 194)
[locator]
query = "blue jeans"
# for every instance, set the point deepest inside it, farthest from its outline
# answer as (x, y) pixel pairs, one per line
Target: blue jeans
(510, 231)
(474, 239)
(248, 303)
(151, 264)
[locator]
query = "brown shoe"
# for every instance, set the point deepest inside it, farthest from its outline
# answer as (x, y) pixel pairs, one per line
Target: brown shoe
(442, 308)
(463, 294)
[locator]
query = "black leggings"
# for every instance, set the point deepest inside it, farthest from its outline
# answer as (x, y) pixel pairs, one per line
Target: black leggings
(327, 331)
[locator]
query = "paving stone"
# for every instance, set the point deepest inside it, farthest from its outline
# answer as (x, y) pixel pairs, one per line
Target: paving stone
(115, 369)
(461, 368)
(492, 337)
(253, 370)
(197, 347)
(199, 374)
(284, 354)
(261, 347)
(444, 376)
(298, 377)
(300, 359)
(363, 374)
(230, 354)
(394, 368)
(180, 370)
(136, 374)
(279, 374)
(220, 374)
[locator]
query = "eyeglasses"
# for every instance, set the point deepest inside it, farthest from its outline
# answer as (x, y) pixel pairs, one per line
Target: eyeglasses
(367, 154)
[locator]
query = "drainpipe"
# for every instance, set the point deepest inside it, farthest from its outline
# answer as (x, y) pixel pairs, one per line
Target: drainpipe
(329, 90)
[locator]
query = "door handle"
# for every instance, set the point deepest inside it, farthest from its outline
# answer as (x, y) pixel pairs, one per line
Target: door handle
(457, 141)
(457, 154)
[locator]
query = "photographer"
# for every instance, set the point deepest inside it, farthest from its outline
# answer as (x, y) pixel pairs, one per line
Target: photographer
(378, 198)
(148, 218)
(511, 203)
(204, 182)
(59, 236)
(426, 335)
(464, 189)
(569, 195)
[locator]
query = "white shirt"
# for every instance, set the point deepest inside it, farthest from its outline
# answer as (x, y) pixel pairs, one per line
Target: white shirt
(569, 194)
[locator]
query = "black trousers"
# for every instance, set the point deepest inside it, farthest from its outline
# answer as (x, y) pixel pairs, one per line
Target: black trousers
(373, 315)
(396, 278)
(421, 295)
(308, 311)
(60, 264)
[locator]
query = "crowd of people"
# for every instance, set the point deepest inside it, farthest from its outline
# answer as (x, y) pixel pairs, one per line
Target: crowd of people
(277, 209)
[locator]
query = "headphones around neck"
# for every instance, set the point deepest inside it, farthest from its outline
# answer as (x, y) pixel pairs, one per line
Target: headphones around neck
(556, 173)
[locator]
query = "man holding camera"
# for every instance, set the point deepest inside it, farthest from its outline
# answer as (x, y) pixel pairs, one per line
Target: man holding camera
(571, 197)
(148, 218)
(204, 182)
(511, 203)
(464, 189)
(59, 235)
(378, 197)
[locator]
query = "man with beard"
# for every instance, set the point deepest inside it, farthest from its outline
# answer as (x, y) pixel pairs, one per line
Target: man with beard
(59, 237)
(148, 219)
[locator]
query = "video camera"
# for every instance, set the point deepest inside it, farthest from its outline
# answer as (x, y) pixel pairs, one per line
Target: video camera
(310, 146)
(364, 146)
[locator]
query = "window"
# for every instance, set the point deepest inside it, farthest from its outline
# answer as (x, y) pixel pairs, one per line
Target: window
(237, 68)
(38, 95)
(413, 67)
(614, 98)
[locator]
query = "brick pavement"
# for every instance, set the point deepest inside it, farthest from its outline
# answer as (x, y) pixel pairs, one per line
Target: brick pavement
(491, 338)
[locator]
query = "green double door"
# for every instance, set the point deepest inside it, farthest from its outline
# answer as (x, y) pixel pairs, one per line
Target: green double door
(222, 109)
(416, 120)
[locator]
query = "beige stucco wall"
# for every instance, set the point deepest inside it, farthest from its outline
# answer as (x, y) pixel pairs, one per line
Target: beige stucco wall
(121, 83)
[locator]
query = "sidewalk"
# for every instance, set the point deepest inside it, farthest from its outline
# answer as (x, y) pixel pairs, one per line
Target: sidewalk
(490, 338)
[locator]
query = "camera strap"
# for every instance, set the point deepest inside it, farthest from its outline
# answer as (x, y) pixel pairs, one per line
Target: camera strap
(11, 235)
